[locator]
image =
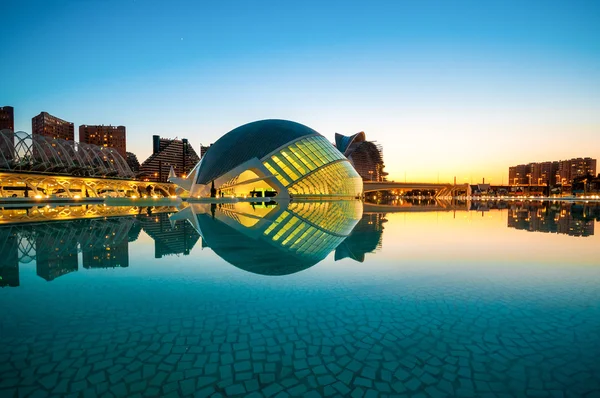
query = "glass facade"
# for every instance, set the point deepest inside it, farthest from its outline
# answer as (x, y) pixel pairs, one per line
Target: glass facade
(336, 179)
(312, 166)
(326, 226)
(327, 215)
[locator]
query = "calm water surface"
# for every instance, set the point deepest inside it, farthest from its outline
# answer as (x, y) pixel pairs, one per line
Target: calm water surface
(328, 299)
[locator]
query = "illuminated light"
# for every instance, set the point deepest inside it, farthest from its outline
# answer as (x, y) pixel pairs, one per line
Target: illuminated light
(133, 197)
(38, 196)
(173, 197)
(154, 196)
(77, 197)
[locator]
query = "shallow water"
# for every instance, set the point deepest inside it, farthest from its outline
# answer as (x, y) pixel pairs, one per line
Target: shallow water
(467, 300)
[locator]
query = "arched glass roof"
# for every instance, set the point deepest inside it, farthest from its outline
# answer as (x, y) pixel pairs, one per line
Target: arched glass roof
(23, 152)
(256, 139)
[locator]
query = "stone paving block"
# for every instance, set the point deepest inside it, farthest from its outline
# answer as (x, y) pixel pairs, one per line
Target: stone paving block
(271, 389)
(49, 381)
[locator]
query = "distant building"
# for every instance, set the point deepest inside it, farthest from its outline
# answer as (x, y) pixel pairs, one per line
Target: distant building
(543, 173)
(365, 156)
(203, 150)
(105, 136)
(167, 153)
(7, 118)
(7, 137)
(517, 175)
(53, 127)
(548, 172)
(133, 162)
(552, 173)
(581, 167)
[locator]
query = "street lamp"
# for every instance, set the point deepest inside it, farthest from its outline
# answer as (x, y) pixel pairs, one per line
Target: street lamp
(371, 173)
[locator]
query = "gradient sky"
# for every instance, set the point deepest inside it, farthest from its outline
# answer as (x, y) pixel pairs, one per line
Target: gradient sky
(449, 88)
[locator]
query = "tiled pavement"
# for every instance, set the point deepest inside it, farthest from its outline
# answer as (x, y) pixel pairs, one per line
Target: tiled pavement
(295, 337)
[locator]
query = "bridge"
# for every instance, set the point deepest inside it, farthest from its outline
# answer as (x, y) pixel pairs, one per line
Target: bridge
(442, 190)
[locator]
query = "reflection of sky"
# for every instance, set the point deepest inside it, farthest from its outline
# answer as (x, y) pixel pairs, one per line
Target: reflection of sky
(481, 239)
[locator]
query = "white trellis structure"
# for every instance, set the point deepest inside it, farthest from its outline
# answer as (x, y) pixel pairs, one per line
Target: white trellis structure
(42, 166)
(21, 151)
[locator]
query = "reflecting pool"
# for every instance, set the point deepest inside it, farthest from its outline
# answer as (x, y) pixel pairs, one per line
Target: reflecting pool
(301, 299)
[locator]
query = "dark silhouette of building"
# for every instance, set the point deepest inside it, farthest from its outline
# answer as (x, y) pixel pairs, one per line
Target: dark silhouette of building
(7, 141)
(133, 162)
(563, 218)
(365, 156)
(7, 118)
(571, 169)
(56, 260)
(543, 173)
(517, 175)
(364, 238)
(105, 136)
(168, 240)
(53, 127)
(167, 153)
(105, 242)
(134, 232)
(562, 172)
(9, 258)
(108, 256)
(203, 150)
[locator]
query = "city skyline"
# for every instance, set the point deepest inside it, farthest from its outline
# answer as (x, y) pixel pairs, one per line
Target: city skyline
(460, 91)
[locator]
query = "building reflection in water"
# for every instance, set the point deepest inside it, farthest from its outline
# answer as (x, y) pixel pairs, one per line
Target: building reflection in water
(103, 242)
(9, 253)
(273, 238)
(168, 239)
(571, 219)
(365, 238)
(262, 238)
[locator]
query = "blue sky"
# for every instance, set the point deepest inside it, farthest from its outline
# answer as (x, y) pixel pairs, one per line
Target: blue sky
(449, 88)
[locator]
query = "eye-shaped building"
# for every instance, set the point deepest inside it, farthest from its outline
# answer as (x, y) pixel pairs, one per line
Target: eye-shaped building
(272, 158)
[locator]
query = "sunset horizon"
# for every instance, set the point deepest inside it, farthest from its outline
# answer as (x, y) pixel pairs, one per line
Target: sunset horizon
(448, 90)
